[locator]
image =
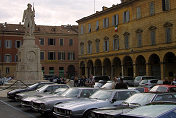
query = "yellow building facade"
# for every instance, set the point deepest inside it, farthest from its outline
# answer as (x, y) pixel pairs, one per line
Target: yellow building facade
(136, 37)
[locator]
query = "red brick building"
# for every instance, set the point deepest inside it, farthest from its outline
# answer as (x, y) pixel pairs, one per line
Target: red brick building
(58, 46)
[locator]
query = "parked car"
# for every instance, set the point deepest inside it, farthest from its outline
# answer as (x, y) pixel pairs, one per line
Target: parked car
(128, 80)
(101, 98)
(136, 100)
(12, 94)
(138, 79)
(160, 110)
(164, 88)
(44, 89)
(140, 89)
(27, 101)
(149, 83)
(46, 105)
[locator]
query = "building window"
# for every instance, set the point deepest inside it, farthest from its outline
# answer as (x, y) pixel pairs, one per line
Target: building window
(152, 37)
(126, 16)
(82, 29)
(82, 48)
(139, 39)
(105, 22)
(126, 40)
(97, 25)
(43, 70)
(16, 58)
(71, 56)
(51, 56)
(106, 44)
(70, 42)
(97, 45)
(61, 55)
(42, 55)
(8, 44)
(51, 70)
(168, 32)
(165, 5)
(61, 71)
(152, 8)
(116, 42)
(41, 41)
(8, 58)
(17, 44)
(61, 42)
(138, 13)
(89, 28)
(7, 70)
(51, 41)
(89, 47)
(115, 20)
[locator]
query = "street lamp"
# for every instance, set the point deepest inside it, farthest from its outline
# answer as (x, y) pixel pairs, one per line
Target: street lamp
(2, 46)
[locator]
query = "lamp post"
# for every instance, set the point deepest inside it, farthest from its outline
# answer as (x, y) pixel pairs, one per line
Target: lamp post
(2, 48)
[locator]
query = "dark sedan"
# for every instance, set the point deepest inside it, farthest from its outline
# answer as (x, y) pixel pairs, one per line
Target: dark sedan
(12, 94)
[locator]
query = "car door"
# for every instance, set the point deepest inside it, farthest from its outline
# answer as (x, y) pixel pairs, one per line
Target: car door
(120, 96)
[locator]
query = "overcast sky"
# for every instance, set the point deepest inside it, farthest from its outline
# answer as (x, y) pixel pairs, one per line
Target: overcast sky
(52, 12)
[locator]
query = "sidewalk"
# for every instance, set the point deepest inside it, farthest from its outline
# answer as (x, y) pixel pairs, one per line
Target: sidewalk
(3, 93)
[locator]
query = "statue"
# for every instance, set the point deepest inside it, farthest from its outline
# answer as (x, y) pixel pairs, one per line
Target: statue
(28, 19)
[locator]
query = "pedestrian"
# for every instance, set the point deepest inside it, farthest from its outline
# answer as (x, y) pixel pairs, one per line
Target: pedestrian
(75, 81)
(90, 81)
(82, 80)
(114, 82)
(121, 85)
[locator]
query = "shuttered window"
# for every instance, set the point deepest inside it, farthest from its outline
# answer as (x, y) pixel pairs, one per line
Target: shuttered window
(152, 8)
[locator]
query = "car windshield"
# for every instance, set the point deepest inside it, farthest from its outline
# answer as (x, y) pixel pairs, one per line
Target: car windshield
(33, 86)
(144, 81)
(71, 92)
(159, 89)
(152, 111)
(42, 88)
(144, 78)
(140, 98)
(102, 95)
(59, 91)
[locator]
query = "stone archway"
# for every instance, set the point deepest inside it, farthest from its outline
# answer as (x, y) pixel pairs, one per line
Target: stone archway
(98, 67)
(82, 68)
(90, 69)
(169, 65)
(154, 66)
(140, 66)
(117, 70)
(107, 67)
(127, 66)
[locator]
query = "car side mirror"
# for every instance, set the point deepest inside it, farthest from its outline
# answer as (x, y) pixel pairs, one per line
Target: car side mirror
(113, 100)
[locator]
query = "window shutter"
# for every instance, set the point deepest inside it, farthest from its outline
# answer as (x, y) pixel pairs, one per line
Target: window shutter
(5, 43)
(10, 58)
(107, 22)
(167, 5)
(97, 25)
(127, 16)
(48, 55)
(117, 43)
(152, 37)
(81, 29)
(117, 19)
(5, 58)
(107, 45)
(48, 41)
(113, 21)
(64, 56)
(152, 8)
(104, 23)
(114, 44)
(138, 12)
(168, 35)
(90, 48)
(10, 41)
(73, 56)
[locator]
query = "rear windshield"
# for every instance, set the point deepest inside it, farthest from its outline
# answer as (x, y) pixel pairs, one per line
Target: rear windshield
(147, 78)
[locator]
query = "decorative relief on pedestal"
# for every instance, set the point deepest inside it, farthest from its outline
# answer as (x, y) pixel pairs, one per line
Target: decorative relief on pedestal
(31, 56)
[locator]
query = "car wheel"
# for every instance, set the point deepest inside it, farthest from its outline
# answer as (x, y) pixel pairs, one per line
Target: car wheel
(87, 114)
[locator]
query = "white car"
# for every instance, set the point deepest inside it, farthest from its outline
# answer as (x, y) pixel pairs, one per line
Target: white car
(149, 83)
(138, 79)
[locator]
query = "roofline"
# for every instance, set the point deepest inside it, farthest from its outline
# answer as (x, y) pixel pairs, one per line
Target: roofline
(118, 6)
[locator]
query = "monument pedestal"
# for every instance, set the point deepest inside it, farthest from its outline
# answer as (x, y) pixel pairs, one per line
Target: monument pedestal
(28, 67)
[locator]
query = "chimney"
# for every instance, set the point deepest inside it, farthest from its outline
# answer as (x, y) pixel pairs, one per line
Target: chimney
(104, 8)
